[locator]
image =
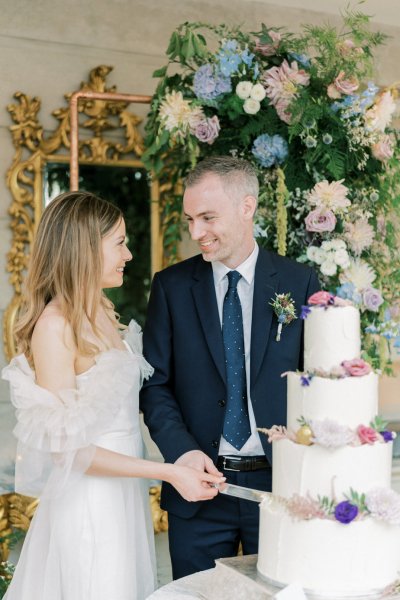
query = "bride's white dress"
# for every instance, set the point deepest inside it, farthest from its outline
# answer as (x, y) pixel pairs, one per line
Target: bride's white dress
(91, 537)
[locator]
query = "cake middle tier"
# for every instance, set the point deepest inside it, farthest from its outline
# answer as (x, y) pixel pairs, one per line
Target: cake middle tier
(350, 401)
(319, 471)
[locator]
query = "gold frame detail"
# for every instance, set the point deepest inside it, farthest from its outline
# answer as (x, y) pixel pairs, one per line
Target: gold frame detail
(33, 150)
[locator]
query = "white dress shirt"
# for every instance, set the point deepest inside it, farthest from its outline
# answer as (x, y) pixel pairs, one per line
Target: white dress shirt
(245, 288)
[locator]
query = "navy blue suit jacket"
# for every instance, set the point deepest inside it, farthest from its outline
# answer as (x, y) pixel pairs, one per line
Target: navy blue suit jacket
(184, 401)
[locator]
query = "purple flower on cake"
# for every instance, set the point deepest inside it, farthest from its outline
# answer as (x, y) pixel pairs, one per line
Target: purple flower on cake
(384, 504)
(305, 311)
(388, 436)
(305, 379)
(346, 512)
(367, 435)
(356, 367)
(372, 299)
(330, 434)
(305, 507)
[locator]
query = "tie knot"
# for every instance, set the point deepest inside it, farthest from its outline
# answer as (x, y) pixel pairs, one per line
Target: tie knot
(233, 278)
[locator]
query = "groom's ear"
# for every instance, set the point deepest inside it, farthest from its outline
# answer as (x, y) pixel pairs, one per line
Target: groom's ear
(249, 205)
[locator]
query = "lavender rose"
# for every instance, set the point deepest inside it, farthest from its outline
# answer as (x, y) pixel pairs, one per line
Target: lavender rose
(372, 299)
(320, 219)
(207, 131)
(345, 512)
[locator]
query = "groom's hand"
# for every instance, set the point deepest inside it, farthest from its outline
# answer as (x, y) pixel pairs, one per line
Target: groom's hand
(196, 459)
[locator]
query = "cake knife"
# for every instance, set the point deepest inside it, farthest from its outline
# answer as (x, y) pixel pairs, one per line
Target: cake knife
(242, 492)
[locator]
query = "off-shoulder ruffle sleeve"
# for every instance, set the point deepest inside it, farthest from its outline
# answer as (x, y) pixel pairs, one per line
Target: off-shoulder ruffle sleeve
(133, 337)
(57, 432)
(72, 418)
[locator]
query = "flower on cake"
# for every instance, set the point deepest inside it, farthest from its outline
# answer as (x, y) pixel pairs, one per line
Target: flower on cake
(384, 504)
(357, 367)
(367, 435)
(346, 512)
(330, 434)
(305, 507)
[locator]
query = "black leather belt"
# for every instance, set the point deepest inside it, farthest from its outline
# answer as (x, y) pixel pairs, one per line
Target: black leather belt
(242, 463)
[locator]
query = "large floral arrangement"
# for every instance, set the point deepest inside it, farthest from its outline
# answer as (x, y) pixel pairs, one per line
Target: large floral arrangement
(303, 109)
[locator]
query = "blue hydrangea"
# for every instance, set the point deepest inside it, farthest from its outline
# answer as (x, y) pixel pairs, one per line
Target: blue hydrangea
(209, 86)
(229, 58)
(353, 105)
(247, 57)
(270, 150)
(347, 291)
(302, 59)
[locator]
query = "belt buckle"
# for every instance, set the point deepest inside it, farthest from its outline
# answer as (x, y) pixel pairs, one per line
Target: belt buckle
(227, 468)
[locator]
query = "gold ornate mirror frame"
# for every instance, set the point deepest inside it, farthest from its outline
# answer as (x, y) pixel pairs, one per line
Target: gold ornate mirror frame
(33, 150)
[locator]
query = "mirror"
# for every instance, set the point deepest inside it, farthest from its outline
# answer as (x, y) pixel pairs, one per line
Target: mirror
(110, 147)
(129, 189)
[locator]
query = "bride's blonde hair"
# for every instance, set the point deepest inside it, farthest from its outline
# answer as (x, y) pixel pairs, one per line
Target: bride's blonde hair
(67, 262)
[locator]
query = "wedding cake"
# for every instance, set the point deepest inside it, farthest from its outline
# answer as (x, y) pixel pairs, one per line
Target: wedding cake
(332, 523)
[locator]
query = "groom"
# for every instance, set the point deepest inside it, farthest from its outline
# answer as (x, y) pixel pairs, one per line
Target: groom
(211, 338)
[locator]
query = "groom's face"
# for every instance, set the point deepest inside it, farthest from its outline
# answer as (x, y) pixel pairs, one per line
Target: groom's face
(219, 221)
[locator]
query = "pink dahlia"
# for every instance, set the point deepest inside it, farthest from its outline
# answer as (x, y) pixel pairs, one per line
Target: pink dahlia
(282, 82)
(356, 367)
(331, 195)
(367, 435)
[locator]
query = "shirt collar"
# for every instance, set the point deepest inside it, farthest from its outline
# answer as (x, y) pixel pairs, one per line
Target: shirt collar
(246, 268)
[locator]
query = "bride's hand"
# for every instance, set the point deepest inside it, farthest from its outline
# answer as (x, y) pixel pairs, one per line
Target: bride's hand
(194, 485)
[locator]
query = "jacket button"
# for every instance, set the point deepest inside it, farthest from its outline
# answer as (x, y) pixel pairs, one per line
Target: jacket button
(222, 402)
(215, 443)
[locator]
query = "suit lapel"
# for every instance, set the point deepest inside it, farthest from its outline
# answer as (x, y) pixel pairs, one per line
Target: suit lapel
(265, 285)
(205, 301)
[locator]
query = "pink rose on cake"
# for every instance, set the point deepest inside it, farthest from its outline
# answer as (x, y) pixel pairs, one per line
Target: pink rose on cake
(367, 435)
(321, 298)
(356, 367)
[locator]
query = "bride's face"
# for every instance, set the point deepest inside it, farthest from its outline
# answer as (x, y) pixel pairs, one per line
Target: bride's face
(115, 255)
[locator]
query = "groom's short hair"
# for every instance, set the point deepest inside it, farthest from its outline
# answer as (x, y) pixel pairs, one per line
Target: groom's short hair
(235, 173)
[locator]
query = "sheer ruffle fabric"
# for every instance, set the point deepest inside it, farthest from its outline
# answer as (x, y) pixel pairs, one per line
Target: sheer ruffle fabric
(91, 537)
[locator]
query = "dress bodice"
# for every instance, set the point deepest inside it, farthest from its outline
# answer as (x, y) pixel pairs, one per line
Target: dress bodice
(103, 406)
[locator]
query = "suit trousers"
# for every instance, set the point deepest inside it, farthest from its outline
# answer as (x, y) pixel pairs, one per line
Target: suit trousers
(218, 527)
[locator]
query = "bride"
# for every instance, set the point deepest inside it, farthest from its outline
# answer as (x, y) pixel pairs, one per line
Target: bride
(75, 387)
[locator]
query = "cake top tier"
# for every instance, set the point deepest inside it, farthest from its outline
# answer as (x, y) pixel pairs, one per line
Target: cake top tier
(331, 331)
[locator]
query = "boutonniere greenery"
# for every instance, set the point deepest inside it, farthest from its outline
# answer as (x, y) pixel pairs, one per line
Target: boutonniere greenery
(285, 311)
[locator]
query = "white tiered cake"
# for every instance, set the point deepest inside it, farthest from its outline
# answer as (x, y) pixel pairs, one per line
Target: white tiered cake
(333, 523)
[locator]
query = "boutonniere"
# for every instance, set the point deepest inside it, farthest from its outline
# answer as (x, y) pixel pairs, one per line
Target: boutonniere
(285, 311)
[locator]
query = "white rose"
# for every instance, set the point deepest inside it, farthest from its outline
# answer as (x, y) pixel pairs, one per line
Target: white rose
(338, 244)
(258, 92)
(251, 107)
(341, 258)
(328, 267)
(243, 89)
(315, 254)
(327, 246)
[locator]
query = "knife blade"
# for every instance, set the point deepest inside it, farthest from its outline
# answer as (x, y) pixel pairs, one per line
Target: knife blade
(242, 492)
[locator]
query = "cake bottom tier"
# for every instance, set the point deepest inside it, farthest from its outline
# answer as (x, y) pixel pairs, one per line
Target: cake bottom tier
(328, 558)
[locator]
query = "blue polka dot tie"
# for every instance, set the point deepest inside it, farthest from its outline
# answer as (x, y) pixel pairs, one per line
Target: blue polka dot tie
(236, 429)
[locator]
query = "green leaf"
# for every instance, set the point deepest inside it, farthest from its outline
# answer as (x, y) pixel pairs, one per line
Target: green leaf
(160, 72)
